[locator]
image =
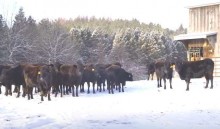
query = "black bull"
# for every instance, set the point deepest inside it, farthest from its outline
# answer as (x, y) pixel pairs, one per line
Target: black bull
(196, 69)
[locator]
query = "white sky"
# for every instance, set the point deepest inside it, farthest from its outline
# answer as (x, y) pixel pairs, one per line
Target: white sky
(168, 13)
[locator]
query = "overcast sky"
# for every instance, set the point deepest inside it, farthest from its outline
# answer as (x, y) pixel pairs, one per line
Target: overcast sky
(168, 13)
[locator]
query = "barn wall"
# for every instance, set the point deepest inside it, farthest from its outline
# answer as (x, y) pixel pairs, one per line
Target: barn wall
(206, 19)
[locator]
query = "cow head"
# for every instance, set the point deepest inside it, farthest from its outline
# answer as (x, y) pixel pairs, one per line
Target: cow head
(129, 76)
(179, 66)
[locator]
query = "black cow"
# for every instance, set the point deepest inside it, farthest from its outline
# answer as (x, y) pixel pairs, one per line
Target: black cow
(196, 69)
(89, 74)
(117, 76)
(57, 79)
(71, 77)
(150, 71)
(101, 76)
(45, 80)
(13, 76)
(164, 70)
(3, 79)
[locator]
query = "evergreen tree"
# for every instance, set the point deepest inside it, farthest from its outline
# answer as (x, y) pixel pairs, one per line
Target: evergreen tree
(4, 33)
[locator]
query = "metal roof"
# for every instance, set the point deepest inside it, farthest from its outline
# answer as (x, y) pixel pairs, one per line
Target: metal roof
(203, 5)
(202, 35)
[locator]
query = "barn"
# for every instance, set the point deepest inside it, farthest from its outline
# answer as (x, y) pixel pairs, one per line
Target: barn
(203, 37)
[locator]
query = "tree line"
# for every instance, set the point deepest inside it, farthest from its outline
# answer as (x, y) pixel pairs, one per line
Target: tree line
(88, 40)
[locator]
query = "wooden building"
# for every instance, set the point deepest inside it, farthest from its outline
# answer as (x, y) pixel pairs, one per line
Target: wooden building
(203, 37)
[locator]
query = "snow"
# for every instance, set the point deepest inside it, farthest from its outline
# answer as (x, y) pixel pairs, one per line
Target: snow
(141, 106)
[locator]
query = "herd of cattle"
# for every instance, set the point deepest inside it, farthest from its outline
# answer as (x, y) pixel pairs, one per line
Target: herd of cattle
(185, 69)
(64, 79)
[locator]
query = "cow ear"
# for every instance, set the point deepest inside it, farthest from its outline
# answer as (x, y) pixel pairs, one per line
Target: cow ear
(172, 66)
(51, 65)
(75, 66)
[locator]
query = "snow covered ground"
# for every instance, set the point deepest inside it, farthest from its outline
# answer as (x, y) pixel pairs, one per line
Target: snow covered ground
(141, 106)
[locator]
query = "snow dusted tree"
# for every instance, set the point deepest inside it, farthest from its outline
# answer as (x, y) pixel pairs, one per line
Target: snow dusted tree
(118, 51)
(180, 52)
(102, 43)
(55, 44)
(18, 43)
(4, 33)
(81, 42)
(151, 47)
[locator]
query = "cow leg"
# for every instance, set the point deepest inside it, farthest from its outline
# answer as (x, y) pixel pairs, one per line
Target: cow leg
(6, 90)
(88, 91)
(73, 92)
(18, 91)
(171, 83)
(28, 92)
(77, 87)
(123, 84)
(99, 86)
(48, 93)
(31, 92)
(10, 91)
(42, 96)
(119, 87)
(49, 99)
(103, 86)
(67, 89)
(207, 80)
(61, 90)
(108, 87)
(112, 86)
(93, 87)
(15, 89)
(164, 80)
(24, 90)
(211, 83)
(207, 83)
(82, 87)
(158, 83)
(187, 85)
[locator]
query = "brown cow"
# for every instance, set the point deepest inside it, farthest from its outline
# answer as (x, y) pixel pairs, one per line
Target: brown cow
(164, 70)
(30, 76)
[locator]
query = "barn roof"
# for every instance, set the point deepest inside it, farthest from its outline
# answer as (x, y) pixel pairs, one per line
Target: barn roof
(201, 35)
(203, 5)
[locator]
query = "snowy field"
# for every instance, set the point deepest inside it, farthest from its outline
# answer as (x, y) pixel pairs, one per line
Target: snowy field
(141, 106)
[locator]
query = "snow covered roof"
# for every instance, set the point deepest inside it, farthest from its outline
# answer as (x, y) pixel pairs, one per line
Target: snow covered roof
(202, 35)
